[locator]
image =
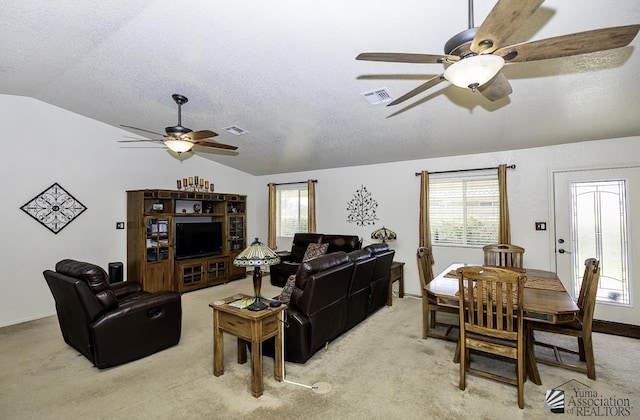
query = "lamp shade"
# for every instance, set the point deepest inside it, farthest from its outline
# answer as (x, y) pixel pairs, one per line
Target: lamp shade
(474, 71)
(384, 234)
(178, 146)
(255, 255)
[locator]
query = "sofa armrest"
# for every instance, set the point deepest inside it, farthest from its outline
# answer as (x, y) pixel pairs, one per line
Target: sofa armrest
(137, 328)
(290, 258)
(279, 273)
(125, 288)
(297, 334)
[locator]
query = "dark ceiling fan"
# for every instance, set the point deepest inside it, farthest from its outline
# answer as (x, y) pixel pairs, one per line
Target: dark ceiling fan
(474, 58)
(179, 138)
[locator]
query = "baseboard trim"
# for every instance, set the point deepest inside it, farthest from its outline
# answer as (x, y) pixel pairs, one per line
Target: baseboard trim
(616, 328)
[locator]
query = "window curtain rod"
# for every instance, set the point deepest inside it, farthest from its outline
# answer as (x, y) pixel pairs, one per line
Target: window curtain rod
(466, 170)
(298, 182)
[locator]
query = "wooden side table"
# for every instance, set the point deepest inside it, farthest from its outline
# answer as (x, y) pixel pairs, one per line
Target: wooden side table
(397, 274)
(247, 326)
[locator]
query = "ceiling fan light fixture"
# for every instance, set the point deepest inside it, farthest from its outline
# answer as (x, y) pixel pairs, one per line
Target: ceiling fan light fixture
(474, 71)
(178, 146)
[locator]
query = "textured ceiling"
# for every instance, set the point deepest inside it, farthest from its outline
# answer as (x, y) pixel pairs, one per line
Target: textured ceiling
(286, 72)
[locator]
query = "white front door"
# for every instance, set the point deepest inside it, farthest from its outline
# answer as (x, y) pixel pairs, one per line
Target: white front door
(596, 214)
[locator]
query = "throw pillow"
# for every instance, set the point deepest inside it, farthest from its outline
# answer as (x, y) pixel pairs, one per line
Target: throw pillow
(285, 295)
(314, 251)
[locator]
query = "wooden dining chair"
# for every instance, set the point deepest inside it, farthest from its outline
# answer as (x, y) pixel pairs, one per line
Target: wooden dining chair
(491, 321)
(429, 302)
(580, 327)
(504, 255)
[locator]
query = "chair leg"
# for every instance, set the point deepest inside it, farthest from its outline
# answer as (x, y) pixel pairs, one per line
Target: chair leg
(425, 318)
(462, 355)
(456, 355)
(433, 319)
(590, 360)
(521, 371)
(581, 349)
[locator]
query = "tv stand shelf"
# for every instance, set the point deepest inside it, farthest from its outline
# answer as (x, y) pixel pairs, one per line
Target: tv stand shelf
(151, 228)
(196, 273)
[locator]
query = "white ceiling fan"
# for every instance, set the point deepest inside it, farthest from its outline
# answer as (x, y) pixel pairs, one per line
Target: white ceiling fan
(475, 57)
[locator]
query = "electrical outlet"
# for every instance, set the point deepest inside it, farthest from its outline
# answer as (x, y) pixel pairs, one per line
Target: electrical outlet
(541, 225)
(119, 225)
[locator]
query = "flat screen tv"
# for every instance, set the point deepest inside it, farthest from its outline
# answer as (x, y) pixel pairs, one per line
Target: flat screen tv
(198, 239)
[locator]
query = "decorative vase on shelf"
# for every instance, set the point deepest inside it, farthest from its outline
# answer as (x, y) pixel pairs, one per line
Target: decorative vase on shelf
(196, 208)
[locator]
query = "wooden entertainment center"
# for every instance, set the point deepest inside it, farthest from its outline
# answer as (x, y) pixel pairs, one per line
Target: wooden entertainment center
(152, 217)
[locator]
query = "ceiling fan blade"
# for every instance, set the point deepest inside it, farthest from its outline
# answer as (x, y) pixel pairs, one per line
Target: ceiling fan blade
(143, 147)
(406, 57)
(428, 84)
(141, 140)
(496, 88)
(572, 44)
(142, 129)
(214, 144)
(202, 134)
(503, 20)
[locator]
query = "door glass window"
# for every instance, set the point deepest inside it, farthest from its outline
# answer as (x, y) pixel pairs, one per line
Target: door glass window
(599, 219)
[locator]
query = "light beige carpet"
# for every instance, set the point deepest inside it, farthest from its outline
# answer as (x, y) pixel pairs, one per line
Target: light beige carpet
(381, 369)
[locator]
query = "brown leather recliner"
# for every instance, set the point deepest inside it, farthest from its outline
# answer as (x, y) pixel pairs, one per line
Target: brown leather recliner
(360, 288)
(289, 264)
(279, 273)
(319, 305)
(381, 275)
(112, 324)
(332, 294)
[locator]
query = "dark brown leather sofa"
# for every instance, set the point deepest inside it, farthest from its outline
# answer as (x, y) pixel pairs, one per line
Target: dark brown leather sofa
(289, 264)
(111, 324)
(332, 294)
(381, 274)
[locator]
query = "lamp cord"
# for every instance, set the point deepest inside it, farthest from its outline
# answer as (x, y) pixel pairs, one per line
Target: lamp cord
(285, 323)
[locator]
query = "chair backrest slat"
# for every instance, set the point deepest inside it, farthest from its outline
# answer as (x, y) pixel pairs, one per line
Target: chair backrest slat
(492, 298)
(503, 255)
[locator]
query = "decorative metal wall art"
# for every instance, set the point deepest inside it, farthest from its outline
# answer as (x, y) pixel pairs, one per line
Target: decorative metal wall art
(362, 208)
(54, 208)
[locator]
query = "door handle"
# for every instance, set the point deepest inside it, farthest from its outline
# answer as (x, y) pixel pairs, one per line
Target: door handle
(562, 251)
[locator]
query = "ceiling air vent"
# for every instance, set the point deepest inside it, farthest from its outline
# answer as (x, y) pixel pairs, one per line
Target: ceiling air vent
(377, 96)
(235, 130)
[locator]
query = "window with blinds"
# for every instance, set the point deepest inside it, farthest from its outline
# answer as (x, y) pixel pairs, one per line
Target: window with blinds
(464, 211)
(292, 210)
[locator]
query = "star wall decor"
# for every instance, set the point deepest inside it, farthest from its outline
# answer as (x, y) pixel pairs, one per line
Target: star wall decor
(54, 208)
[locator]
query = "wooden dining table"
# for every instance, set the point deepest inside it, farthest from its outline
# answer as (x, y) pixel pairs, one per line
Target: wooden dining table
(545, 300)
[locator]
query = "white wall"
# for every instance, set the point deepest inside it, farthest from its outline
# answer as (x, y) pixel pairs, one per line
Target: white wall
(396, 189)
(83, 156)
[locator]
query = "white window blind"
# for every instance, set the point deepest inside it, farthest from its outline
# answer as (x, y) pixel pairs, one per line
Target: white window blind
(292, 210)
(464, 211)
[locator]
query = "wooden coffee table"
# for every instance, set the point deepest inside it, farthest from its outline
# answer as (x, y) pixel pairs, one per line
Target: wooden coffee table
(247, 326)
